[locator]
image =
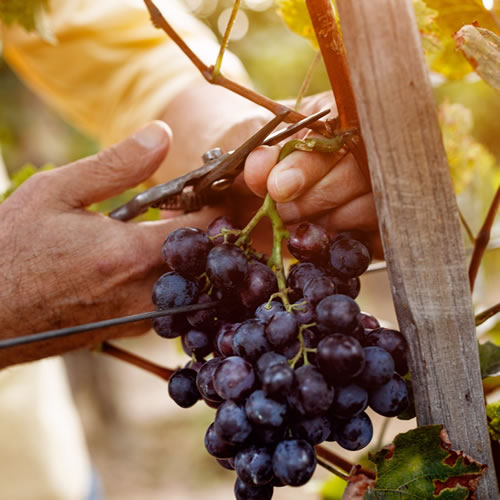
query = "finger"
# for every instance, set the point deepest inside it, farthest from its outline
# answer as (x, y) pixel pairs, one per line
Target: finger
(341, 184)
(297, 173)
(115, 169)
(356, 214)
(257, 167)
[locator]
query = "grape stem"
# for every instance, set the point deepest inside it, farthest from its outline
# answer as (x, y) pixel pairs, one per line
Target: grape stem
(218, 63)
(331, 469)
(129, 357)
(340, 462)
(487, 314)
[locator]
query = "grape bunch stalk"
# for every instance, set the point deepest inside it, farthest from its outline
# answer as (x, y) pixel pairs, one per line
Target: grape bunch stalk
(287, 360)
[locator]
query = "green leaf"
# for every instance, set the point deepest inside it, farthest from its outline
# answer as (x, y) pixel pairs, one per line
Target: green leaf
(489, 359)
(420, 464)
(481, 48)
(296, 17)
(429, 29)
(451, 16)
(493, 414)
(23, 12)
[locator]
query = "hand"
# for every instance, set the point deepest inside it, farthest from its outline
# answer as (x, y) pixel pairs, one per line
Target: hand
(326, 188)
(62, 265)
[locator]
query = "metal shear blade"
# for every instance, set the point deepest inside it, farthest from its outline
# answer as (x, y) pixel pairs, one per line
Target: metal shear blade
(201, 186)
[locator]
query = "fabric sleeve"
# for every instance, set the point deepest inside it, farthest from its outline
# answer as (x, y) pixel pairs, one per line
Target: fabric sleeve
(110, 69)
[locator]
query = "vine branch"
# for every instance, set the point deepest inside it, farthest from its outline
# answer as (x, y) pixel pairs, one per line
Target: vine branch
(483, 239)
(487, 314)
(218, 79)
(340, 462)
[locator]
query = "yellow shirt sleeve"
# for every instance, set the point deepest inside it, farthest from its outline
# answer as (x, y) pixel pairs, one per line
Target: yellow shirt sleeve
(111, 70)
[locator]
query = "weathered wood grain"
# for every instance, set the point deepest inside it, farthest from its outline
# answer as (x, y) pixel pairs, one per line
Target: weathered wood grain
(418, 220)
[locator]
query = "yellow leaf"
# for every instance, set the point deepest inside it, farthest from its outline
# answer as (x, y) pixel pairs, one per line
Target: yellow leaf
(296, 16)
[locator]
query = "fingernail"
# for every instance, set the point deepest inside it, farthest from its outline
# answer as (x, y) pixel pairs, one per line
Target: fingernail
(288, 182)
(153, 135)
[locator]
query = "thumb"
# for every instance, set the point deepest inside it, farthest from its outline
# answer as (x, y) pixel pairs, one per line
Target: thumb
(115, 169)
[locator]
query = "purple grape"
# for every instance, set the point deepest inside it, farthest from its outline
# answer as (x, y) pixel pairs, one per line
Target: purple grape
(340, 357)
(368, 321)
(282, 330)
(227, 266)
(350, 400)
(394, 343)
(260, 285)
(197, 343)
(291, 350)
(267, 360)
(349, 258)
(355, 433)
(391, 399)
(205, 318)
(379, 367)
(254, 465)
(350, 287)
(294, 462)
(337, 314)
(231, 423)
(268, 436)
(182, 387)
(185, 250)
(204, 380)
(311, 395)
(314, 430)
(266, 311)
(234, 378)
(303, 312)
(174, 290)
(226, 463)
(216, 446)
(278, 380)
(309, 243)
(299, 275)
(215, 229)
(250, 341)
(171, 326)
(224, 338)
(317, 289)
(244, 491)
(262, 410)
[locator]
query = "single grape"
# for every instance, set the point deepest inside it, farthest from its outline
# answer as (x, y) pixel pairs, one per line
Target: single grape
(303, 312)
(244, 491)
(197, 343)
(174, 290)
(226, 463)
(250, 341)
(337, 314)
(314, 430)
(205, 318)
(350, 287)
(340, 357)
(171, 326)
(294, 461)
(354, 235)
(224, 338)
(263, 410)
(309, 243)
(368, 321)
(349, 400)
(394, 343)
(234, 378)
(185, 250)
(231, 423)
(278, 380)
(216, 446)
(261, 283)
(215, 229)
(267, 360)
(268, 436)
(311, 395)
(227, 266)
(379, 367)
(282, 330)
(355, 433)
(254, 465)
(349, 258)
(316, 289)
(266, 311)
(204, 380)
(391, 399)
(298, 276)
(182, 387)
(291, 350)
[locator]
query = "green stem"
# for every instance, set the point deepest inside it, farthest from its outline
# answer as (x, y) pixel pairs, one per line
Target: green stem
(218, 63)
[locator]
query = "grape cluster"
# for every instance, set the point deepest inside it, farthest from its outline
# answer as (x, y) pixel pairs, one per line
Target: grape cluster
(285, 369)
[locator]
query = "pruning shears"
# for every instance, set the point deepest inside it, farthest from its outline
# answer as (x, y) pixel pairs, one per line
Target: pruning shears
(203, 186)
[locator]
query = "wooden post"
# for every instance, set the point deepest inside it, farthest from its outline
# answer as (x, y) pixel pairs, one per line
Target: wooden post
(418, 220)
